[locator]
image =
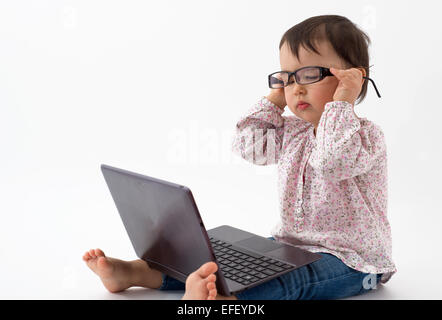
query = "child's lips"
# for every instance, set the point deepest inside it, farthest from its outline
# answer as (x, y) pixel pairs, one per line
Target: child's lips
(303, 106)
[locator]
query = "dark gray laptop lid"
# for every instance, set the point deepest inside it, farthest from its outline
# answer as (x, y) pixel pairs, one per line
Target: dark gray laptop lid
(161, 220)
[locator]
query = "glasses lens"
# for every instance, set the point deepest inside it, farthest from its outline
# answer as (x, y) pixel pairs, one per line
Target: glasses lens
(308, 75)
(278, 80)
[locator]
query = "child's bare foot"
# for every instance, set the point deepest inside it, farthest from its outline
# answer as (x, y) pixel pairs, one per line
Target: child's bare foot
(114, 273)
(118, 275)
(200, 285)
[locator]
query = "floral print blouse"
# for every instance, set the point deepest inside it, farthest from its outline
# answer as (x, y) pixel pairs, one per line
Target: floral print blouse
(332, 185)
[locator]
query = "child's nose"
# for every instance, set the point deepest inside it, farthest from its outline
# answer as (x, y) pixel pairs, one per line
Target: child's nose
(298, 88)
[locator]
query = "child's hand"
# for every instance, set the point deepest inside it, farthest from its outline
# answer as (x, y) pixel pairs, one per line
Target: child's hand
(350, 84)
(277, 97)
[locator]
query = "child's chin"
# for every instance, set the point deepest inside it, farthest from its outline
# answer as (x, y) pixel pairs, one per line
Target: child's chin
(298, 116)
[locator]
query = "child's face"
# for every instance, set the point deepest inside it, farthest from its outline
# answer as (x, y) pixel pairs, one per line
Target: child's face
(316, 94)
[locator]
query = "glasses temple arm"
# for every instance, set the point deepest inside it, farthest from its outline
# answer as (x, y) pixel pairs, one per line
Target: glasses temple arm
(377, 92)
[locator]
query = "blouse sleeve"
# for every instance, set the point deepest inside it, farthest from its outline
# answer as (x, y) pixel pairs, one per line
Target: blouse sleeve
(259, 134)
(343, 148)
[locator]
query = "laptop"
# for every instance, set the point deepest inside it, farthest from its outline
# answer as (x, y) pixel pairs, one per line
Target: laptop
(166, 230)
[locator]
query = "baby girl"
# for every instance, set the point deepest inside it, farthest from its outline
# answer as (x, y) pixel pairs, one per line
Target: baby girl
(332, 174)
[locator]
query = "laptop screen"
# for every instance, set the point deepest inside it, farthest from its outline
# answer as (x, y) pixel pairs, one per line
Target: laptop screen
(161, 219)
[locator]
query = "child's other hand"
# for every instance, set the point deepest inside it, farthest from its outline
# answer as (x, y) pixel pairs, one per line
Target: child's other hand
(350, 84)
(277, 97)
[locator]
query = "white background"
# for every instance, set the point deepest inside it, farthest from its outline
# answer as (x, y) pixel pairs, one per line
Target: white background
(157, 88)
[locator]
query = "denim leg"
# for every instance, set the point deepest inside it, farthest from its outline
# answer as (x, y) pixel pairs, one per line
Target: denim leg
(327, 278)
(170, 283)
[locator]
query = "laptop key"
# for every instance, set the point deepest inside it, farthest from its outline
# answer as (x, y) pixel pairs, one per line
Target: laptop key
(251, 278)
(261, 275)
(275, 268)
(264, 264)
(266, 259)
(248, 253)
(269, 272)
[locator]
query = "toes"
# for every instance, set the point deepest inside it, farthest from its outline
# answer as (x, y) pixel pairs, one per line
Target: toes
(99, 253)
(86, 256)
(207, 269)
(210, 286)
(211, 278)
(92, 253)
(212, 294)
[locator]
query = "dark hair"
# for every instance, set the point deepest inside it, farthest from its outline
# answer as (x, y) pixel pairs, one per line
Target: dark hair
(349, 42)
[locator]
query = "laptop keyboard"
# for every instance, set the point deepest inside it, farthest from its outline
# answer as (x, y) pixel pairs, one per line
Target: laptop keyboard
(243, 266)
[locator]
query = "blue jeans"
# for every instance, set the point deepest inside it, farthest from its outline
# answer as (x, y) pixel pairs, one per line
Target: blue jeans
(326, 278)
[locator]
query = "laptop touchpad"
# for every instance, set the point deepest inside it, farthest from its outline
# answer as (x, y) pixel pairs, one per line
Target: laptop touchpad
(259, 244)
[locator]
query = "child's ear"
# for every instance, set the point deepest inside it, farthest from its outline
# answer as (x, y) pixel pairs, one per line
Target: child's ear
(364, 73)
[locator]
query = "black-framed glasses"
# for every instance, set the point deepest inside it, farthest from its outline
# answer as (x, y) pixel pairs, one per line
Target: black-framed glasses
(304, 75)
